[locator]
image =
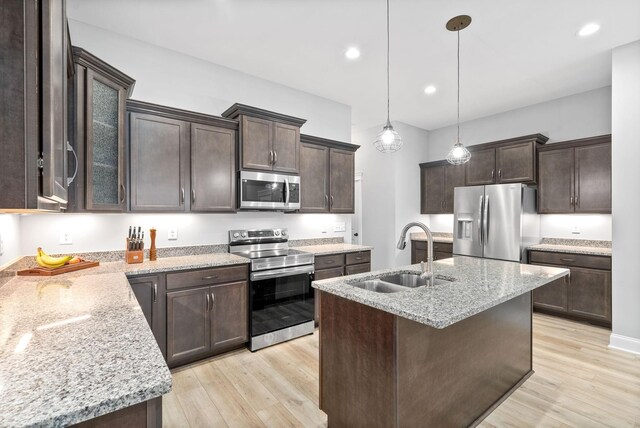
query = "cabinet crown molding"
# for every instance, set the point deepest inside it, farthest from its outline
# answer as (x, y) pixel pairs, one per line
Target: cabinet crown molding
(310, 139)
(538, 138)
(138, 106)
(87, 59)
(600, 139)
(238, 109)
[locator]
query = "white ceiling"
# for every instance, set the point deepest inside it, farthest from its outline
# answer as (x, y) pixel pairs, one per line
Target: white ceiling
(515, 53)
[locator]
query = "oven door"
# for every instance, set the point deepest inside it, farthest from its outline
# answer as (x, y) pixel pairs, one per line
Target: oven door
(266, 191)
(281, 298)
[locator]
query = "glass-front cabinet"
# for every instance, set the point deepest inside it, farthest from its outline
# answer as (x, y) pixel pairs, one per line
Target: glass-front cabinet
(100, 93)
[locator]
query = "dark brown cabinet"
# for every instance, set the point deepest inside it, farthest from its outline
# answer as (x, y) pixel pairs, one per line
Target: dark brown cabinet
(149, 290)
(437, 183)
(98, 99)
(208, 315)
(575, 176)
(585, 294)
(180, 161)
(327, 175)
(481, 168)
(269, 141)
(36, 58)
(420, 251)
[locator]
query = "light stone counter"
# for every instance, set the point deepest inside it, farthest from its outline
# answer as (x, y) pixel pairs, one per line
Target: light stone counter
(437, 237)
(478, 284)
(77, 346)
(574, 246)
(325, 249)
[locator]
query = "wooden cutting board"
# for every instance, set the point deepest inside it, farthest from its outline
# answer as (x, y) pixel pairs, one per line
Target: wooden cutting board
(42, 271)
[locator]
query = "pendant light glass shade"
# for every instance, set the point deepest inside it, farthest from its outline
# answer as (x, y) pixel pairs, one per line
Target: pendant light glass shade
(458, 154)
(388, 141)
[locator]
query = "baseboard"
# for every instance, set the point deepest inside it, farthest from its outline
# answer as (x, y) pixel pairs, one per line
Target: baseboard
(624, 343)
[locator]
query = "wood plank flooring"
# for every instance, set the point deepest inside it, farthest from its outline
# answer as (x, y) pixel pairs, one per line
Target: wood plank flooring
(578, 382)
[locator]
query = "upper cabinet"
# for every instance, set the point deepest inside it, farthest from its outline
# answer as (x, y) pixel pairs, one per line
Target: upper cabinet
(180, 161)
(268, 141)
(505, 161)
(575, 176)
(437, 181)
(327, 175)
(97, 102)
(35, 46)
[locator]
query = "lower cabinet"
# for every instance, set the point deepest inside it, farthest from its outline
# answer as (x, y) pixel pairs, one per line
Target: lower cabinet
(585, 294)
(420, 252)
(149, 290)
(206, 320)
(336, 265)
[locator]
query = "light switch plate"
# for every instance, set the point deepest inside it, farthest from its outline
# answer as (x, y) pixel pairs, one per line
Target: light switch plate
(340, 227)
(172, 234)
(575, 230)
(65, 238)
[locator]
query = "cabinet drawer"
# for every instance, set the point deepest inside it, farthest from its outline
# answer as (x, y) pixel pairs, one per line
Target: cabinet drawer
(442, 247)
(358, 258)
(319, 275)
(332, 260)
(360, 268)
(206, 277)
(567, 259)
(438, 255)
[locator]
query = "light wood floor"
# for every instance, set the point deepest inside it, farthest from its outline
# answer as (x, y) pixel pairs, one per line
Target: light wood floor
(578, 382)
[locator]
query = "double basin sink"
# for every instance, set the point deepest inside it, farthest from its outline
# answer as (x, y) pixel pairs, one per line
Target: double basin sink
(398, 282)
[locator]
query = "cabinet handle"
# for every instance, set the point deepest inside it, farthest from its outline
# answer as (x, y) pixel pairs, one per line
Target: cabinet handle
(326, 200)
(358, 258)
(182, 196)
(568, 260)
(124, 193)
(275, 157)
(575, 200)
(499, 173)
(193, 195)
(493, 174)
(331, 201)
(328, 262)
(155, 292)
(571, 201)
(204, 278)
(208, 302)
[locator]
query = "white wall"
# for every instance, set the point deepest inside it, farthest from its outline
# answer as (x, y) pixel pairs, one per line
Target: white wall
(9, 238)
(626, 197)
(590, 226)
(174, 79)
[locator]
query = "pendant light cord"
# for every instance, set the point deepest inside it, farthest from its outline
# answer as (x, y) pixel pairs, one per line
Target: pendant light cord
(388, 96)
(458, 138)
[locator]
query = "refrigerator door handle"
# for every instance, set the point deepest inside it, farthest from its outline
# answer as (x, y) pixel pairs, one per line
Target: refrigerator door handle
(480, 221)
(485, 219)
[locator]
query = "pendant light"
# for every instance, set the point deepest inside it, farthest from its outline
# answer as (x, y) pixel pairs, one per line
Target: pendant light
(388, 141)
(458, 154)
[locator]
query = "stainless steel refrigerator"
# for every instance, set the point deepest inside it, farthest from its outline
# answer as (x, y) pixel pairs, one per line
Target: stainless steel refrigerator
(497, 221)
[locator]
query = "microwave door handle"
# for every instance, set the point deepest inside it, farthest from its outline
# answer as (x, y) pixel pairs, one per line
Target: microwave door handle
(286, 191)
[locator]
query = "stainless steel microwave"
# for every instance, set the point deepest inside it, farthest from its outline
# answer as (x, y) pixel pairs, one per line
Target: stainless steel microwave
(267, 191)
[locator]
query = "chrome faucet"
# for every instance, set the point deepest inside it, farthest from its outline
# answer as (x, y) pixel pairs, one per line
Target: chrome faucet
(402, 243)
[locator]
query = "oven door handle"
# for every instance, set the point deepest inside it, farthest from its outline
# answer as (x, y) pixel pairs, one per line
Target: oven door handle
(278, 273)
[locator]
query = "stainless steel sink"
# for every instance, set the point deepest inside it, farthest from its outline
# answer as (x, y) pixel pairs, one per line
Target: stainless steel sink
(398, 282)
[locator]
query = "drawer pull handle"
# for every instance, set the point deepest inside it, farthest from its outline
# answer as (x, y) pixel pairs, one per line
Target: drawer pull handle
(209, 277)
(328, 262)
(358, 258)
(568, 260)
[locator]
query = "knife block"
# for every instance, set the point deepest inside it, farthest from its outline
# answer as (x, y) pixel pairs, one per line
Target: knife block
(136, 256)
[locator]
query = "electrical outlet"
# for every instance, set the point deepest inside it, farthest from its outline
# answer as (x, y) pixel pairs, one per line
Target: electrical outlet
(172, 234)
(340, 227)
(575, 230)
(65, 238)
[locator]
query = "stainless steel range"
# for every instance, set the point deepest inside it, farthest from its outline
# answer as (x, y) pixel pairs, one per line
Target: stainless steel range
(281, 297)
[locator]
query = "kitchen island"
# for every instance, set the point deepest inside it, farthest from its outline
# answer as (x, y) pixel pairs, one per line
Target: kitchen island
(442, 355)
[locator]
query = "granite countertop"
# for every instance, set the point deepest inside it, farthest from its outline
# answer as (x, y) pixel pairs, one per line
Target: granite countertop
(77, 346)
(325, 249)
(437, 237)
(478, 284)
(574, 246)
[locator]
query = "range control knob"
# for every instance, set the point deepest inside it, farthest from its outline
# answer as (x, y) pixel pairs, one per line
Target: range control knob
(236, 235)
(244, 234)
(277, 233)
(284, 232)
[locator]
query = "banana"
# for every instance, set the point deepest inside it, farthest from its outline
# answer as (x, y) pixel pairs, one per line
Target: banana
(45, 260)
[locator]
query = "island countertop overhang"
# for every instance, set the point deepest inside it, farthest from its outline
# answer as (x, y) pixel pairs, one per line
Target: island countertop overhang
(479, 284)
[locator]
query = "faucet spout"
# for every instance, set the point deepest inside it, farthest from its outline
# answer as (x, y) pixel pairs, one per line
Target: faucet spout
(402, 243)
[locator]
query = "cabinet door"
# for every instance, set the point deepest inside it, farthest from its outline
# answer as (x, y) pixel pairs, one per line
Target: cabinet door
(453, 177)
(516, 163)
(53, 92)
(552, 296)
(213, 169)
(555, 181)
(419, 252)
(432, 191)
(256, 137)
(229, 320)
(314, 178)
(590, 294)
(149, 291)
(286, 148)
(341, 181)
(359, 268)
(105, 144)
(440, 255)
(159, 163)
(593, 179)
(188, 324)
(481, 168)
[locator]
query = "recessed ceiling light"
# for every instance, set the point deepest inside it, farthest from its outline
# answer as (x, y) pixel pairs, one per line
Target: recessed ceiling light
(589, 29)
(430, 90)
(352, 53)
